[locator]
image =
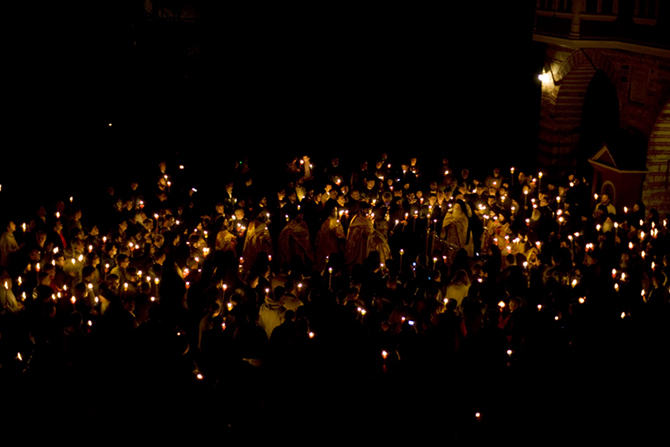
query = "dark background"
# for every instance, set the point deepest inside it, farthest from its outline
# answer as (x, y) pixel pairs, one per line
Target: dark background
(262, 82)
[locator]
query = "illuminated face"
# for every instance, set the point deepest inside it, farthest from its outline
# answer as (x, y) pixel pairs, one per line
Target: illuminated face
(605, 199)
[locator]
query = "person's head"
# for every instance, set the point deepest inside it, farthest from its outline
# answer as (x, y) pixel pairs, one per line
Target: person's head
(123, 261)
(252, 279)
(148, 224)
(239, 213)
(522, 177)
(11, 227)
(50, 269)
(111, 249)
(34, 255)
(41, 238)
(112, 282)
(514, 303)
(59, 259)
(461, 277)
(88, 273)
(605, 199)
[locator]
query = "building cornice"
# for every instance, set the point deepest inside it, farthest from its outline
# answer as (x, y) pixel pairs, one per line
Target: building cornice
(602, 44)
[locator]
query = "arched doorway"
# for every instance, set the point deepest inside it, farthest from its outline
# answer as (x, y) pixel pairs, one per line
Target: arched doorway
(600, 118)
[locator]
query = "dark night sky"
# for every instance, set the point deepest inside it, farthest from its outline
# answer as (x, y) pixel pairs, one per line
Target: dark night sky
(264, 83)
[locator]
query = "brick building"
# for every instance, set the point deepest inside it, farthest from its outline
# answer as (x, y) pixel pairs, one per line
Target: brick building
(606, 83)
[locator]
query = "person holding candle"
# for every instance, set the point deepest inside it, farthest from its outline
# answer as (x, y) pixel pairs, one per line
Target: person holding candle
(258, 240)
(606, 204)
(458, 287)
(329, 240)
(363, 238)
(455, 228)
(494, 180)
(8, 247)
(294, 240)
(8, 302)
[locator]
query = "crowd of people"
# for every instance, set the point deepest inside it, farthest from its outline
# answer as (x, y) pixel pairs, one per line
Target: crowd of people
(333, 297)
